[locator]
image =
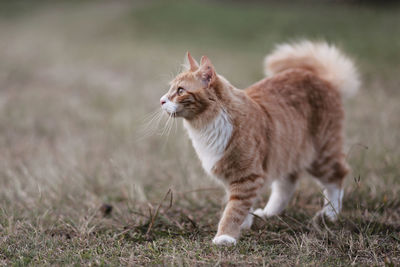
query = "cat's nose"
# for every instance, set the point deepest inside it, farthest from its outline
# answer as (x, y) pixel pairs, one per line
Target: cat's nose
(163, 100)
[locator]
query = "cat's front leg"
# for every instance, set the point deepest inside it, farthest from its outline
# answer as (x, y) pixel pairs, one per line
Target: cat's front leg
(242, 194)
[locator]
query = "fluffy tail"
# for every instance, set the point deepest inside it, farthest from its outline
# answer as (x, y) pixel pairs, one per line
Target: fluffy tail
(325, 60)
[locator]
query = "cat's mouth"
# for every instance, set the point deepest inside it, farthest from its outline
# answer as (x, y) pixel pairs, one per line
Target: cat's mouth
(173, 111)
(174, 114)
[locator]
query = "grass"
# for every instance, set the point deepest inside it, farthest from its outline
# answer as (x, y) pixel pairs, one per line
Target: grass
(77, 80)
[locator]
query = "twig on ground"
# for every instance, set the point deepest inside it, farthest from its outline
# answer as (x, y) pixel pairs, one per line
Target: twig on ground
(154, 217)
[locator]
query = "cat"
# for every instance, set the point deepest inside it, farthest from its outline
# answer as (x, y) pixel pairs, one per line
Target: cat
(288, 123)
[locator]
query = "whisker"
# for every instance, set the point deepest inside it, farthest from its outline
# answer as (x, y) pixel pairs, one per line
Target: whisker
(176, 125)
(157, 117)
(169, 126)
(165, 126)
(172, 124)
(150, 124)
(151, 114)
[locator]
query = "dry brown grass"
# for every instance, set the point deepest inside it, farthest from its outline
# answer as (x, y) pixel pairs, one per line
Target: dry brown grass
(76, 82)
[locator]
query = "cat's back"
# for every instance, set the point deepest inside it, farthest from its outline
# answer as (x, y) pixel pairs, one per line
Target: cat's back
(294, 89)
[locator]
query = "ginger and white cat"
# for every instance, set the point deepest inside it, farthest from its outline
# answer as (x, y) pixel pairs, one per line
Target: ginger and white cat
(271, 132)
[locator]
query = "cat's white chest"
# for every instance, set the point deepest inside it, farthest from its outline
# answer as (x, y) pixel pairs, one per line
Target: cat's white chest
(210, 141)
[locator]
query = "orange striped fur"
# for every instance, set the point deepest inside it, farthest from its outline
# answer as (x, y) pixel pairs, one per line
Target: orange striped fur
(271, 132)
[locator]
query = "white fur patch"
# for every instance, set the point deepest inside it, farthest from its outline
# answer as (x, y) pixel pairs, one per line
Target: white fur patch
(211, 141)
(281, 193)
(248, 221)
(260, 213)
(333, 201)
(224, 240)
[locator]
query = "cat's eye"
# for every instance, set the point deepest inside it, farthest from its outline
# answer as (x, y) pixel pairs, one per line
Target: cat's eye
(180, 91)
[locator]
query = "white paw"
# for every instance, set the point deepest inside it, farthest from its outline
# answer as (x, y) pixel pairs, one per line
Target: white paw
(330, 213)
(224, 240)
(260, 213)
(247, 222)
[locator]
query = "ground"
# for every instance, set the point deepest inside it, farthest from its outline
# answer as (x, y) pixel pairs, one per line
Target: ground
(84, 180)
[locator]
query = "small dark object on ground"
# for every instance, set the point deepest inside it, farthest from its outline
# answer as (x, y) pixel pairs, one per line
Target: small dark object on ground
(106, 209)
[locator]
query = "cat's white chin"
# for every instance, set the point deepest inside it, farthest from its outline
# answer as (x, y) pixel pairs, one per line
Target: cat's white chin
(224, 240)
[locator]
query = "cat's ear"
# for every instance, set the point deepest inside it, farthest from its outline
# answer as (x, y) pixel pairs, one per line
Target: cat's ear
(207, 71)
(193, 65)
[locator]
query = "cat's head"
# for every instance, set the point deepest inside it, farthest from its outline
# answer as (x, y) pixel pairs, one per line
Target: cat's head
(193, 91)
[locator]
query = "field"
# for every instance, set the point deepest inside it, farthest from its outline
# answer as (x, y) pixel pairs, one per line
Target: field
(84, 179)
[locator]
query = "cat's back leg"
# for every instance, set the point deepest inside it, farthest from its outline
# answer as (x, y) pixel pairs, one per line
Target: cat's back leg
(330, 169)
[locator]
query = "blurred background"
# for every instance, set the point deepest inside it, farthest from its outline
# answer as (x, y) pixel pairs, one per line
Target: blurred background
(79, 81)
